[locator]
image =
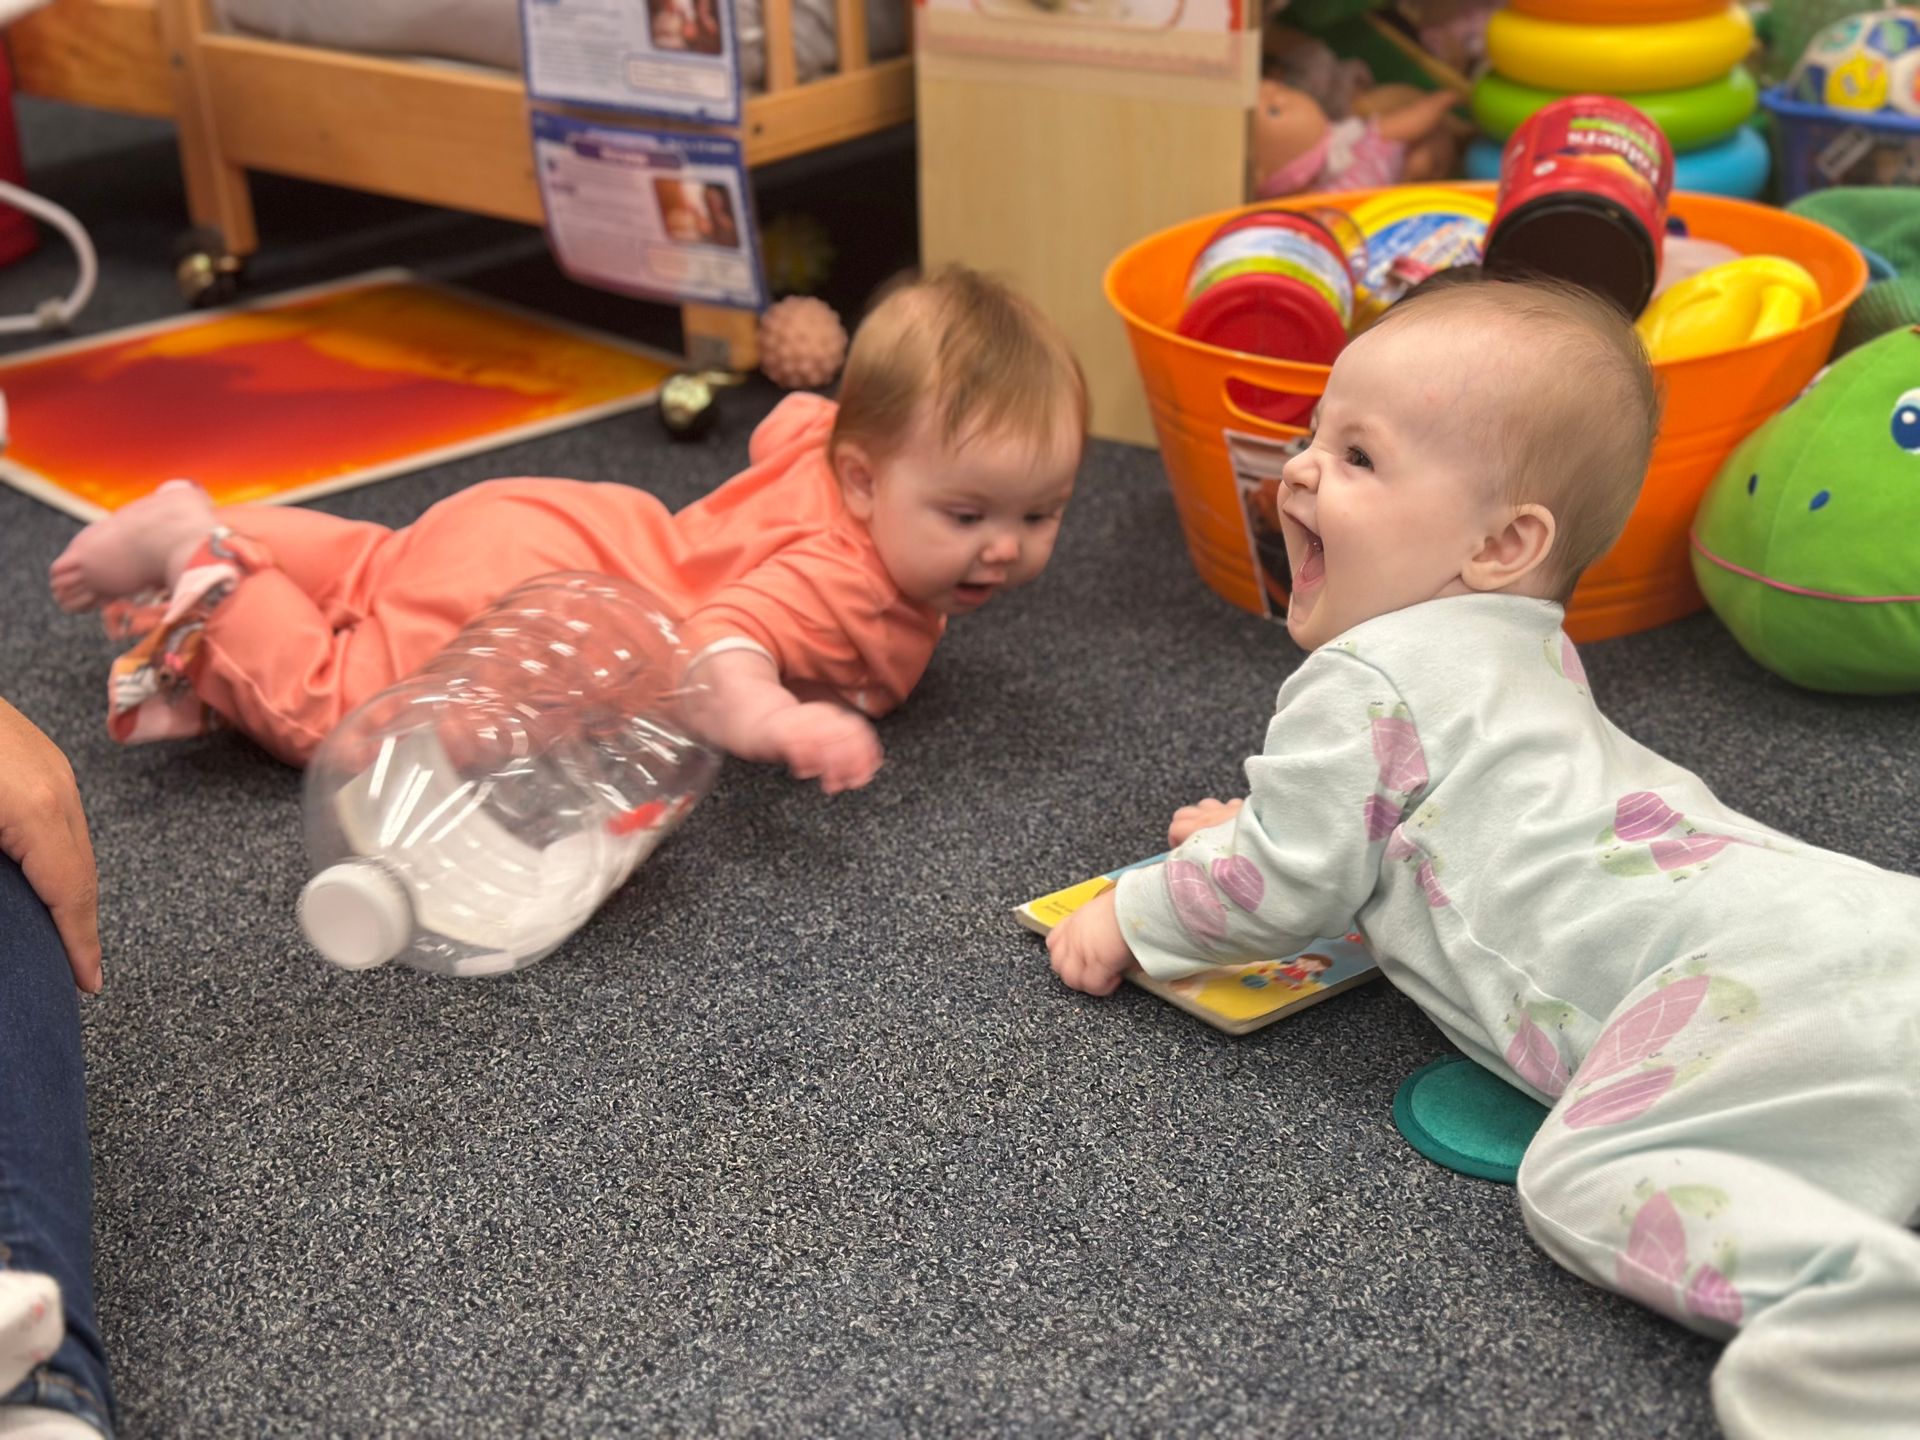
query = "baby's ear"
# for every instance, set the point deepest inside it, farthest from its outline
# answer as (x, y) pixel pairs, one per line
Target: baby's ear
(1515, 552)
(854, 470)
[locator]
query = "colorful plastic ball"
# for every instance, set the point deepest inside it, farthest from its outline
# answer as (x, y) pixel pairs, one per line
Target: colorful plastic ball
(1865, 62)
(1903, 84)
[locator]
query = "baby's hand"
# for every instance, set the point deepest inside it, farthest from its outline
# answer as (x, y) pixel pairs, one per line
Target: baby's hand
(1087, 949)
(1189, 819)
(827, 742)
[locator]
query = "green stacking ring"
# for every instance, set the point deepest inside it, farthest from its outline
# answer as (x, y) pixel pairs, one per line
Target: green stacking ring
(1693, 118)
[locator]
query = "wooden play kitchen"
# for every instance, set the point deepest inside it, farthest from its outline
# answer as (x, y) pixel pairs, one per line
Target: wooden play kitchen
(1195, 390)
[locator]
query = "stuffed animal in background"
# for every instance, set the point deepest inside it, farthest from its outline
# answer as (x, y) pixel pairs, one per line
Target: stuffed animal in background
(1807, 543)
(1884, 222)
(1320, 123)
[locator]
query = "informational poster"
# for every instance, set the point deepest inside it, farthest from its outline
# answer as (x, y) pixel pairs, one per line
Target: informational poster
(1198, 37)
(677, 58)
(661, 213)
(1257, 463)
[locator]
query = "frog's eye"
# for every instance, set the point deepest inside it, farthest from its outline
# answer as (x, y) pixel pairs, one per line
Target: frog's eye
(1906, 422)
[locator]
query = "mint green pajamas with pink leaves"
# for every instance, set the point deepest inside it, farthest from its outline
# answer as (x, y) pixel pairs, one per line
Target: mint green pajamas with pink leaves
(1726, 1022)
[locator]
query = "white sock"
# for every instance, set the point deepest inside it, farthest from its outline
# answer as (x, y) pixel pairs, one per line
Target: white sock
(31, 1325)
(35, 1422)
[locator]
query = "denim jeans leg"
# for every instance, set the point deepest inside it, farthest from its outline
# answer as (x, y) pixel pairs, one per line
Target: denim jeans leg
(46, 1168)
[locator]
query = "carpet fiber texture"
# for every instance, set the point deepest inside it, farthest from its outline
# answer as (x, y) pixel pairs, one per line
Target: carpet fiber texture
(799, 1136)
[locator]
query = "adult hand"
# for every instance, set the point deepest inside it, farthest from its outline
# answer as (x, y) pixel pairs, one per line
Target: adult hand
(1087, 949)
(44, 830)
(827, 742)
(1189, 819)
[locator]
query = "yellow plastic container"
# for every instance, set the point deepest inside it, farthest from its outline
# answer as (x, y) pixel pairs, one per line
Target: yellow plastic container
(1727, 306)
(1436, 224)
(1713, 402)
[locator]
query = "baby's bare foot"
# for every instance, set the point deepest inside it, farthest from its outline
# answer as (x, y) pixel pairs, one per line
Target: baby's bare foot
(141, 546)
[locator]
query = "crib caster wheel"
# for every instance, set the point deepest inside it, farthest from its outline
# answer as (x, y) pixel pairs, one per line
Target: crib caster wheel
(206, 271)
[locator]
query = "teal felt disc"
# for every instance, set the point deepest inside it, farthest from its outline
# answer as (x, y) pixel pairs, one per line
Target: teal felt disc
(1466, 1118)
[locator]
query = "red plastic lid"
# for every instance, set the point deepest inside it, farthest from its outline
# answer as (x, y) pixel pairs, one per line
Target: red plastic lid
(1266, 315)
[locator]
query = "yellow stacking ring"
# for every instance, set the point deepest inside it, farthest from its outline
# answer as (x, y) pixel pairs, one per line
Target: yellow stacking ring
(1617, 59)
(1617, 12)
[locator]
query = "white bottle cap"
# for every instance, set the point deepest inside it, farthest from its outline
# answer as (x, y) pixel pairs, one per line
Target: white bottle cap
(356, 915)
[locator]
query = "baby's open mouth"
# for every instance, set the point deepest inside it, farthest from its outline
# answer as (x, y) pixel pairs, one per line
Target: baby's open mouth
(1313, 565)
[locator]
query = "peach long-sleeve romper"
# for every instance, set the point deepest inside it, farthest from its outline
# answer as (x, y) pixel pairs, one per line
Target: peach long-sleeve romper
(290, 618)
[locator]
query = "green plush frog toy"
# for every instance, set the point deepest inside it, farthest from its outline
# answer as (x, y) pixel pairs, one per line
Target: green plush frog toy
(1807, 543)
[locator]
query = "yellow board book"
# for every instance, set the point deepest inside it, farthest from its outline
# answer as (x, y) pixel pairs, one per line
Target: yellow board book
(1233, 998)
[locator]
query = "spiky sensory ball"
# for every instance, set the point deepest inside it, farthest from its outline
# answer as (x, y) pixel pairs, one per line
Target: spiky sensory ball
(802, 343)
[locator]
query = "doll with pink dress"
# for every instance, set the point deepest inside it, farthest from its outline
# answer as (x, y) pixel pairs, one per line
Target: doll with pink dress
(1322, 124)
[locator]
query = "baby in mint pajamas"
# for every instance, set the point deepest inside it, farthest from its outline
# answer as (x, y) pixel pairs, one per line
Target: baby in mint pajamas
(1726, 1022)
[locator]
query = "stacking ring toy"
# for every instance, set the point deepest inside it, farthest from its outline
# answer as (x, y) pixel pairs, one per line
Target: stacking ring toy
(1692, 118)
(1737, 167)
(1617, 59)
(1617, 12)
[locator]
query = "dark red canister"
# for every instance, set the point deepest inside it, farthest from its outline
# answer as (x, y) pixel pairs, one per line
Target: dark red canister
(1583, 198)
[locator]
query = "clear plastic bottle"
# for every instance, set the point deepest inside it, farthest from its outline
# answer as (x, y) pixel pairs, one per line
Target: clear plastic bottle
(470, 818)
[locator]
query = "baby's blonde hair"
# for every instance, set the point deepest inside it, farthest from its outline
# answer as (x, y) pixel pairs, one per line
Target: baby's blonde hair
(1578, 438)
(985, 358)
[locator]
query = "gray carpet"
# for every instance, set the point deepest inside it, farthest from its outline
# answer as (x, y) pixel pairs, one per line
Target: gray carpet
(800, 1137)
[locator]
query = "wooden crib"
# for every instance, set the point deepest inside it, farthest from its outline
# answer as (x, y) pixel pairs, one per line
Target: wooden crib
(439, 134)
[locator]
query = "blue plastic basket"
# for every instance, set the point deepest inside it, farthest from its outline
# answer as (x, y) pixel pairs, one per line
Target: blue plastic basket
(1817, 146)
